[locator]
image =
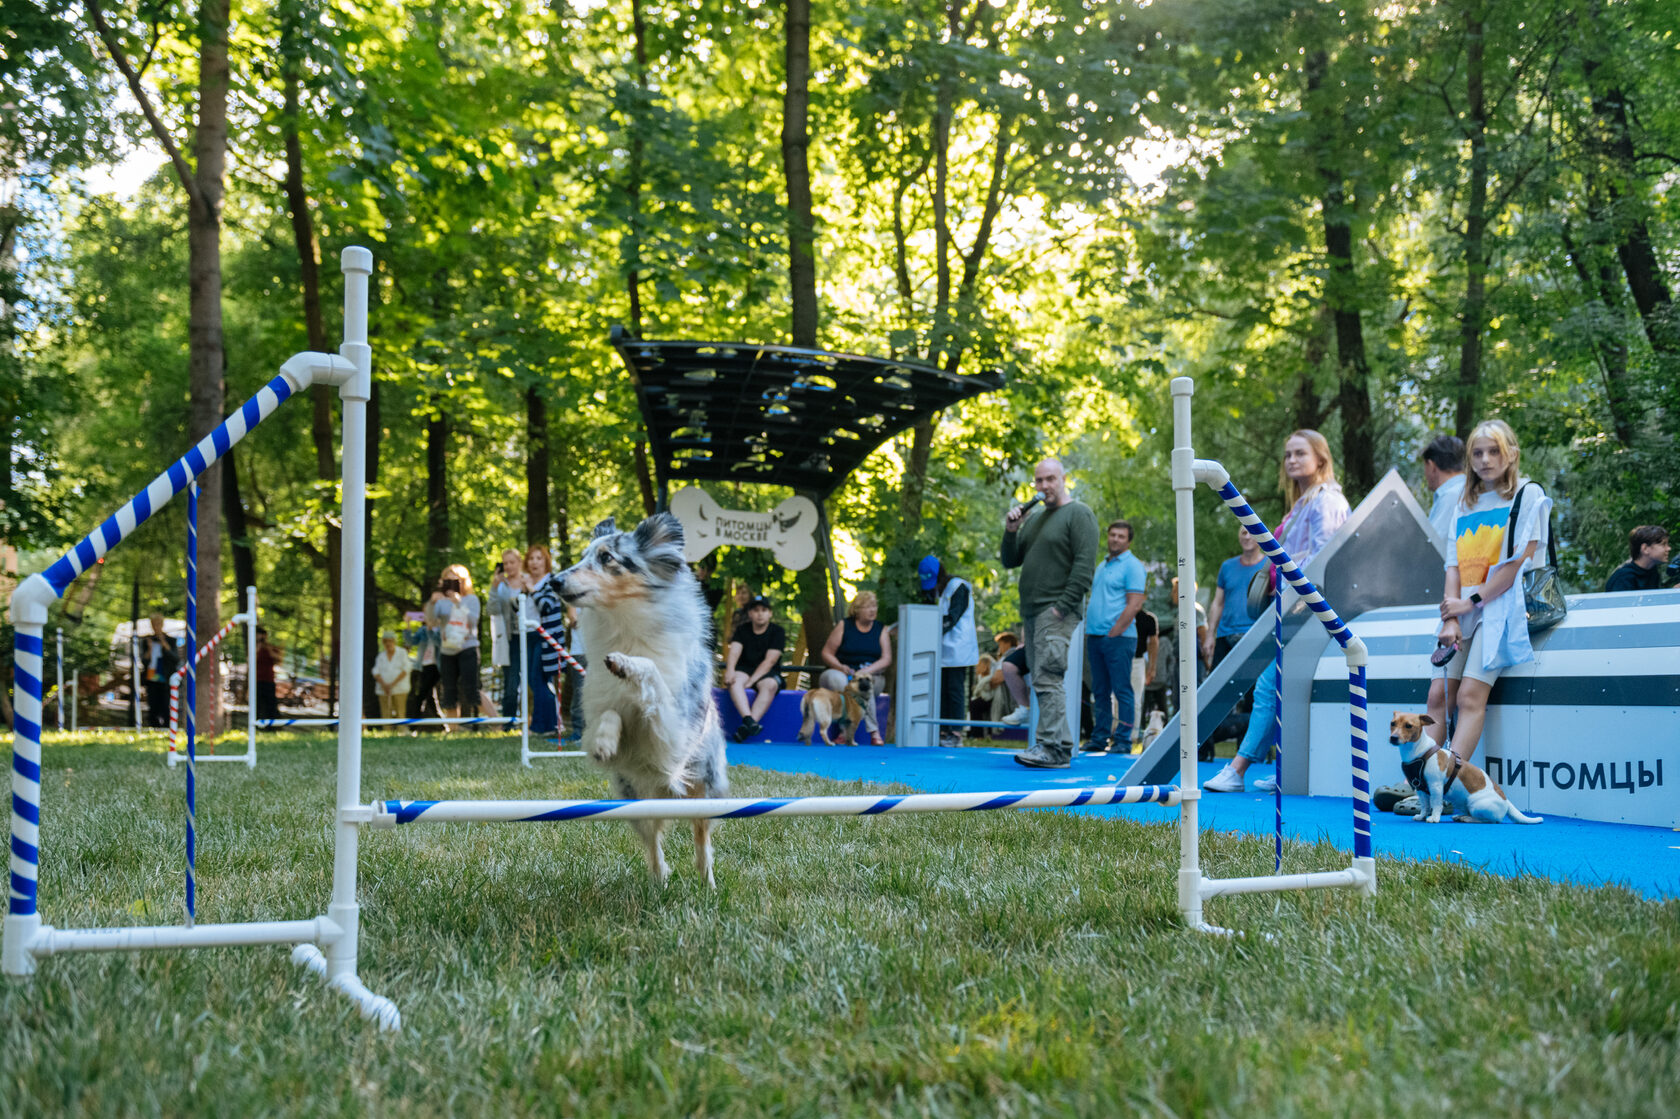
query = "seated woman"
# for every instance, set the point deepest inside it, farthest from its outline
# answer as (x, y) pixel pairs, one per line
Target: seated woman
(859, 648)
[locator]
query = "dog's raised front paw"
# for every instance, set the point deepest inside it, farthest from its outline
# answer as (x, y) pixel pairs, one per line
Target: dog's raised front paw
(619, 665)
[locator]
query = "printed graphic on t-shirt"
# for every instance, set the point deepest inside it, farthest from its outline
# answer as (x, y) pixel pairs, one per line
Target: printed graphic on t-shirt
(1481, 541)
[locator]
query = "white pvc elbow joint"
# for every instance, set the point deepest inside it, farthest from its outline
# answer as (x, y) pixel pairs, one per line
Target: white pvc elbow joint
(31, 600)
(1210, 473)
(311, 368)
(1355, 652)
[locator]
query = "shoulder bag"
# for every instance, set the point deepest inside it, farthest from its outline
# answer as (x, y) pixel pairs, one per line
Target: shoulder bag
(1542, 594)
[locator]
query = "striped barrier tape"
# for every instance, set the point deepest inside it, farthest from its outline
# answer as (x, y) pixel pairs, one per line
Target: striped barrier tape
(559, 648)
(175, 679)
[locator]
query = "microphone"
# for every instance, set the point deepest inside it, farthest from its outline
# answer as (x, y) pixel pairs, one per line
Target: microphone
(1037, 499)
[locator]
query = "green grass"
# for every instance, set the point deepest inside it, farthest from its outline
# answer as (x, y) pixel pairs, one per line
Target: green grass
(998, 963)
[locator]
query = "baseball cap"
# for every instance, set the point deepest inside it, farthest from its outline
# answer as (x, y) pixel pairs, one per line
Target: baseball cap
(928, 569)
(758, 600)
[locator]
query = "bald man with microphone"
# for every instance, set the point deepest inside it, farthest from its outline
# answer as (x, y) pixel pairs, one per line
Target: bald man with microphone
(1056, 548)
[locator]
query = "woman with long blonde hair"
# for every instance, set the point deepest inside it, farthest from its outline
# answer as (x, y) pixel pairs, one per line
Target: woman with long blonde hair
(1317, 508)
(1480, 591)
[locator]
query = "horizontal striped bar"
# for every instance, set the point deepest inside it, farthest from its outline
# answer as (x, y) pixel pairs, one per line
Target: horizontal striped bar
(537, 811)
(499, 720)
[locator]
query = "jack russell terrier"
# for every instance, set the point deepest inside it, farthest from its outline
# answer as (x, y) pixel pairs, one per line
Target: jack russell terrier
(1441, 779)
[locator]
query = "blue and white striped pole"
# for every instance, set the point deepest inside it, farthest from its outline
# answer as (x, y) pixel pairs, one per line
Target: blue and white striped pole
(390, 813)
(1277, 733)
(191, 679)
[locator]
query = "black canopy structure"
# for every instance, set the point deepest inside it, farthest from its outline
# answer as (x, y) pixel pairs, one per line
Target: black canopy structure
(777, 415)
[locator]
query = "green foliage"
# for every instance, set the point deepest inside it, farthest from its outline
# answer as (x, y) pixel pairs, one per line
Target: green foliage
(513, 166)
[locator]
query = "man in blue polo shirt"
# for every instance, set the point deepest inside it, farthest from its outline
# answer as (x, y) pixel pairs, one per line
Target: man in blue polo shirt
(1111, 639)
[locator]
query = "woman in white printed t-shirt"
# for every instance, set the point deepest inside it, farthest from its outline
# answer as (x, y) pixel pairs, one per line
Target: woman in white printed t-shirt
(1484, 587)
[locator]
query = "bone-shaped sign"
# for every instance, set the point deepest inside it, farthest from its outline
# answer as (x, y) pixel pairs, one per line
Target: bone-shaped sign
(789, 530)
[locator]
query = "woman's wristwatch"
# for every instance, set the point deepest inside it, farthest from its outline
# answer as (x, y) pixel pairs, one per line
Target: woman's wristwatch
(1475, 598)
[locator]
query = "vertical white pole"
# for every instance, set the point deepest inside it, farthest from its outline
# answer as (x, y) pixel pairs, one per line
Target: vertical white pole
(1184, 509)
(251, 677)
(524, 689)
(58, 695)
(357, 265)
(134, 672)
(75, 720)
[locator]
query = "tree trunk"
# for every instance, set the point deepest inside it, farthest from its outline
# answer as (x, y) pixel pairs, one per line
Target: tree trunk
(1630, 214)
(437, 496)
(293, 36)
(1475, 232)
(244, 555)
(1341, 296)
(206, 360)
(1598, 281)
(562, 505)
(644, 481)
(802, 236)
(536, 467)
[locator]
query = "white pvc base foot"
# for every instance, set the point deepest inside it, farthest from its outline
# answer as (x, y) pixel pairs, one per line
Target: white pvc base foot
(19, 937)
(377, 1007)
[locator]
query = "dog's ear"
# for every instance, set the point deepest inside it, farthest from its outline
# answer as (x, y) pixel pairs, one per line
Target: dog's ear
(605, 528)
(1425, 720)
(660, 541)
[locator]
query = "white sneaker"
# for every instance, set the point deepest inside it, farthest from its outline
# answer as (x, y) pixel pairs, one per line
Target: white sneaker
(950, 741)
(1227, 780)
(1017, 717)
(1266, 785)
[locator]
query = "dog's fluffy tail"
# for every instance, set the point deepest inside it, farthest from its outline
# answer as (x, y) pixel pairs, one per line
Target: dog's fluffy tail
(1518, 816)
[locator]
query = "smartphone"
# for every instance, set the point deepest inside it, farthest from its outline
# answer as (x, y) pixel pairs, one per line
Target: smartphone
(448, 585)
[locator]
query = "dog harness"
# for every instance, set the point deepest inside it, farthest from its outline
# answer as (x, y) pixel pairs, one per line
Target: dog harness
(1413, 770)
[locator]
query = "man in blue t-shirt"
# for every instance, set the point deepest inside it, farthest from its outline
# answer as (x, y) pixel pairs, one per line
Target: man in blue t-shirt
(1228, 616)
(1110, 639)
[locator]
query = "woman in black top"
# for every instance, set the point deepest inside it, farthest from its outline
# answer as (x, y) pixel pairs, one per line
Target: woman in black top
(859, 648)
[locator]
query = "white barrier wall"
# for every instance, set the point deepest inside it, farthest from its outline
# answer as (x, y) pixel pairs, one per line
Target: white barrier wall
(1590, 729)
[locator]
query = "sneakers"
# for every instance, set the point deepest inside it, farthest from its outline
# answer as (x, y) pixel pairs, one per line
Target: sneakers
(1037, 758)
(1266, 785)
(1385, 798)
(749, 728)
(1017, 717)
(1095, 747)
(1227, 780)
(950, 741)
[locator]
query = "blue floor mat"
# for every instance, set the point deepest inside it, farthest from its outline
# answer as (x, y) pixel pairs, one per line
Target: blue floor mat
(1646, 860)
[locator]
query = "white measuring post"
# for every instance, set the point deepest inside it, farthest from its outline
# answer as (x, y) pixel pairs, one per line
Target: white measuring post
(58, 694)
(251, 677)
(134, 672)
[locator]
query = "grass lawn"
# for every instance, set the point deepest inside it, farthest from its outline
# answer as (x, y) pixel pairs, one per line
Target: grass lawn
(994, 963)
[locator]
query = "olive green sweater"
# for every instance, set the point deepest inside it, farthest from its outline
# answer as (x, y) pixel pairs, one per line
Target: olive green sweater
(1056, 550)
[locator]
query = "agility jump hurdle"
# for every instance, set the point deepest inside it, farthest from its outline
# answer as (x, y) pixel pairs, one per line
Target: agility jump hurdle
(26, 939)
(528, 624)
(1193, 887)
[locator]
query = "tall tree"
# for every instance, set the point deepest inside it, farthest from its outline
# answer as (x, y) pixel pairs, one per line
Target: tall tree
(202, 182)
